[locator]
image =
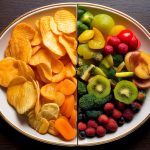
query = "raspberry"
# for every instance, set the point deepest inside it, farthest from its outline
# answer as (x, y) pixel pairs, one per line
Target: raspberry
(116, 114)
(114, 41)
(108, 108)
(108, 49)
(103, 119)
(120, 105)
(112, 125)
(92, 123)
(122, 48)
(135, 106)
(100, 131)
(90, 132)
(128, 114)
(81, 126)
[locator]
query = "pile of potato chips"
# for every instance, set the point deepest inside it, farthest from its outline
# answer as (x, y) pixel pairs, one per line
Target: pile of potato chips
(38, 71)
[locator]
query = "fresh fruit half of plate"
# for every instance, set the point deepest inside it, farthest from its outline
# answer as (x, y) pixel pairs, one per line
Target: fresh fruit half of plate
(59, 92)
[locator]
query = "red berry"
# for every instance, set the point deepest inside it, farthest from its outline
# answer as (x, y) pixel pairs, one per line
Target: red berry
(81, 126)
(103, 119)
(90, 132)
(108, 49)
(92, 123)
(116, 114)
(108, 108)
(114, 41)
(120, 105)
(128, 114)
(112, 125)
(100, 131)
(122, 48)
(136, 106)
(125, 36)
(133, 43)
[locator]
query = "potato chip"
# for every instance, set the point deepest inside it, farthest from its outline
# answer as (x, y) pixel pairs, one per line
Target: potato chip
(66, 21)
(59, 99)
(35, 49)
(37, 39)
(51, 129)
(53, 26)
(49, 39)
(24, 30)
(20, 48)
(49, 111)
(70, 70)
(7, 52)
(71, 52)
(22, 96)
(37, 24)
(11, 68)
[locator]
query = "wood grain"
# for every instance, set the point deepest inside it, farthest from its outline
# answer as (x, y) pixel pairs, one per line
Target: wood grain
(10, 138)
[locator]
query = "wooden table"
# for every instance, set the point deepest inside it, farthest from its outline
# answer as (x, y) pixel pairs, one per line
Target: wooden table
(10, 138)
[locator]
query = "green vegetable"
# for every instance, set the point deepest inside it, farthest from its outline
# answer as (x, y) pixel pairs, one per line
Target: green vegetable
(87, 18)
(111, 73)
(118, 59)
(81, 88)
(97, 71)
(81, 70)
(100, 102)
(81, 27)
(93, 114)
(97, 57)
(81, 11)
(86, 102)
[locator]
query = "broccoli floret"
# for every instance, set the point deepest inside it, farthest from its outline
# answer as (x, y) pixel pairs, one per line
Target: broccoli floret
(118, 59)
(97, 57)
(111, 73)
(81, 88)
(86, 102)
(100, 102)
(93, 114)
(81, 70)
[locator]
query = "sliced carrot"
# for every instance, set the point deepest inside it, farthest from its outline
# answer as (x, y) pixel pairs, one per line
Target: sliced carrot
(65, 129)
(67, 87)
(73, 118)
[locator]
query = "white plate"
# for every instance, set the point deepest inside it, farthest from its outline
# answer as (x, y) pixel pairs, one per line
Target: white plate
(20, 123)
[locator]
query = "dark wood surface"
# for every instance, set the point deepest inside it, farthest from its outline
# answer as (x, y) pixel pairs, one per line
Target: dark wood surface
(10, 138)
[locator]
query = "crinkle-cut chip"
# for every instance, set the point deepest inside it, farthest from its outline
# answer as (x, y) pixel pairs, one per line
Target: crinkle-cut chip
(56, 64)
(38, 123)
(38, 103)
(37, 39)
(45, 72)
(49, 111)
(70, 51)
(66, 21)
(22, 96)
(51, 129)
(59, 76)
(35, 49)
(53, 26)
(72, 40)
(48, 91)
(24, 30)
(37, 24)
(7, 52)
(11, 68)
(20, 48)
(70, 70)
(49, 39)
(65, 59)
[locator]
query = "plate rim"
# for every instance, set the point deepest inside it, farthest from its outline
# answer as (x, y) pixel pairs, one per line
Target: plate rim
(93, 5)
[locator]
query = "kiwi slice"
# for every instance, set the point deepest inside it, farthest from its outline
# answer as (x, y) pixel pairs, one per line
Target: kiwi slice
(125, 91)
(99, 86)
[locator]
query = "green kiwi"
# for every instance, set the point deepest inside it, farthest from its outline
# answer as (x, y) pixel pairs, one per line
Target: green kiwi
(99, 86)
(125, 91)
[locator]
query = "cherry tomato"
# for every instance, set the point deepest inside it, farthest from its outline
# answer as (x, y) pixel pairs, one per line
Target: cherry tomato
(133, 43)
(125, 36)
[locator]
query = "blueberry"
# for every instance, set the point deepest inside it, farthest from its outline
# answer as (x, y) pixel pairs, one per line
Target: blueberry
(82, 134)
(121, 121)
(81, 117)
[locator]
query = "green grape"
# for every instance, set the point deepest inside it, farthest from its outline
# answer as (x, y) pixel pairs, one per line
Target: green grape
(116, 30)
(81, 11)
(84, 51)
(103, 22)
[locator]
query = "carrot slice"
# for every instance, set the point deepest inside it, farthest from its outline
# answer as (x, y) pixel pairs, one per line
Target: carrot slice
(73, 118)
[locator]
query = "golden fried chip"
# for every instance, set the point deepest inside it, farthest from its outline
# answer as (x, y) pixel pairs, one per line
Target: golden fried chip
(51, 129)
(35, 49)
(24, 30)
(53, 26)
(66, 21)
(49, 39)
(37, 39)
(49, 111)
(22, 96)
(7, 52)
(71, 52)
